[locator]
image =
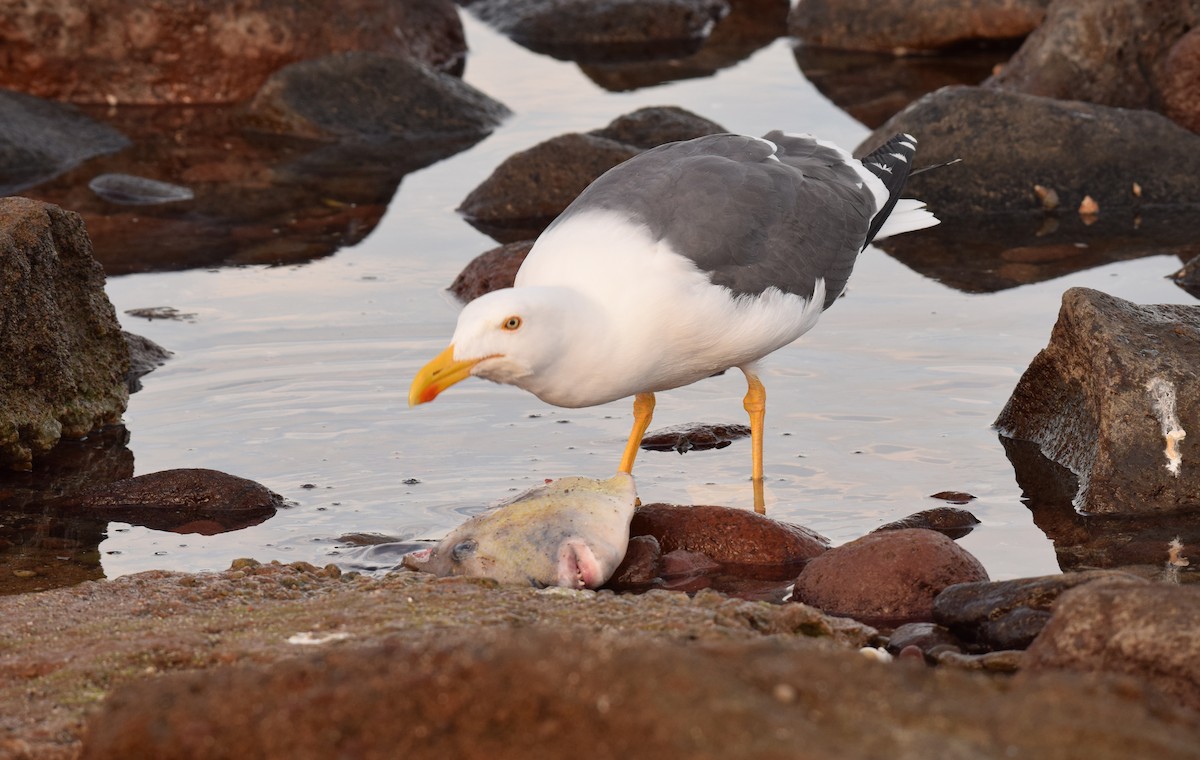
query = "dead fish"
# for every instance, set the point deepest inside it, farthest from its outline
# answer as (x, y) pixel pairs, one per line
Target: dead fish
(571, 532)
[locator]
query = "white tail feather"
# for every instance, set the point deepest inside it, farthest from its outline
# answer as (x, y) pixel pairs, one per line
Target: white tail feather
(908, 215)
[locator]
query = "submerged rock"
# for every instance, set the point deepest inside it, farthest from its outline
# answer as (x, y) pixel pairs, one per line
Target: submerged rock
(145, 356)
(1110, 398)
(695, 436)
(129, 190)
(65, 357)
(950, 521)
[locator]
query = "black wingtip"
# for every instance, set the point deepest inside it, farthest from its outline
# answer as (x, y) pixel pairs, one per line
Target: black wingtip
(892, 163)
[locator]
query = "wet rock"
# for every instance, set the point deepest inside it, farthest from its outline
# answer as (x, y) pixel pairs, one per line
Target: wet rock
(1009, 614)
(185, 501)
(903, 27)
(128, 190)
(1113, 52)
(145, 356)
(726, 535)
(1180, 81)
(650, 127)
(1188, 277)
(892, 576)
(682, 563)
(695, 436)
(630, 697)
(1005, 661)
(929, 639)
(1010, 142)
(949, 521)
(873, 87)
(373, 98)
(1108, 398)
(640, 565)
(1147, 631)
(40, 140)
(67, 360)
(490, 270)
(529, 189)
(191, 51)
(586, 30)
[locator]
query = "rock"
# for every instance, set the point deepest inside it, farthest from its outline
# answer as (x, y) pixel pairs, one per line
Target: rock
(529, 189)
(490, 270)
(629, 697)
(695, 436)
(903, 27)
(640, 565)
(1009, 614)
(191, 51)
(1006, 661)
(949, 521)
(183, 501)
(1113, 52)
(927, 638)
(128, 190)
(67, 360)
(682, 563)
(587, 30)
(1010, 142)
(145, 356)
(1107, 399)
(650, 127)
(1147, 631)
(1188, 277)
(725, 535)
(40, 140)
(372, 98)
(892, 576)
(1180, 81)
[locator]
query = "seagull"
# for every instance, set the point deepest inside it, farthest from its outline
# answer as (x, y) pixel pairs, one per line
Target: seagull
(684, 261)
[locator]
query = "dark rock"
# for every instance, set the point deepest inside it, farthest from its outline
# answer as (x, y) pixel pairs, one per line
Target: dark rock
(725, 535)
(190, 51)
(926, 638)
(1010, 142)
(650, 127)
(128, 190)
(695, 436)
(1188, 277)
(1145, 630)
(954, 523)
(640, 565)
(490, 270)
(66, 359)
(873, 87)
(372, 98)
(1106, 399)
(40, 140)
(185, 501)
(586, 30)
(1005, 661)
(919, 25)
(145, 356)
(1112, 52)
(1179, 81)
(529, 189)
(1009, 614)
(892, 576)
(954, 497)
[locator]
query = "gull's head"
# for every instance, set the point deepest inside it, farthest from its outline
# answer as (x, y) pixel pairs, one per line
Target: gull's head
(506, 336)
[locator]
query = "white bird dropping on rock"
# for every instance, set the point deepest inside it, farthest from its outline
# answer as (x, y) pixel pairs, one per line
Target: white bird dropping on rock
(1162, 398)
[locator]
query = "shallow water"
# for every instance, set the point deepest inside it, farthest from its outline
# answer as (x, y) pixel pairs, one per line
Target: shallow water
(297, 376)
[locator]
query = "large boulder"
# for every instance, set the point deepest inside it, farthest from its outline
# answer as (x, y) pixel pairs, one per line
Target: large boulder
(920, 25)
(1115, 52)
(193, 51)
(65, 356)
(1112, 398)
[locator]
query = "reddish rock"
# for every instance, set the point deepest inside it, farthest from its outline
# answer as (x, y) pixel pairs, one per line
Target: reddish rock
(889, 576)
(1180, 81)
(1147, 631)
(490, 270)
(682, 563)
(953, 522)
(695, 436)
(725, 535)
(193, 51)
(916, 25)
(640, 565)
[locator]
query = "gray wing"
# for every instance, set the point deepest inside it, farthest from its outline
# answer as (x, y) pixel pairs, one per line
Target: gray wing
(782, 211)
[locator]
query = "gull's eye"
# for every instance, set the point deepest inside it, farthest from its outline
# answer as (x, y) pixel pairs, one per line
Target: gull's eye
(463, 549)
(512, 323)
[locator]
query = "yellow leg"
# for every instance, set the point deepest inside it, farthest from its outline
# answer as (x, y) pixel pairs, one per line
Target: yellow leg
(756, 405)
(643, 410)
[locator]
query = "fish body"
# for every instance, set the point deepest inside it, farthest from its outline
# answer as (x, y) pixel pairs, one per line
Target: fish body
(571, 532)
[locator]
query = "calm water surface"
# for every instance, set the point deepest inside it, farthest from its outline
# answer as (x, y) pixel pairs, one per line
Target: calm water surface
(297, 376)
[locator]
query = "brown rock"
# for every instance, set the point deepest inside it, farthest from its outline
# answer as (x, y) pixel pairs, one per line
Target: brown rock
(891, 576)
(949, 521)
(648, 128)
(1147, 631)
(529, 189)
(1180, 81)
(926, 638)
(490, 270)
(64, 372)
(695, 436)
(725, 535)
(1111, 398)
(917, 25)
(145, 356)
(640, 565)
(192, 51)
(1188, 277)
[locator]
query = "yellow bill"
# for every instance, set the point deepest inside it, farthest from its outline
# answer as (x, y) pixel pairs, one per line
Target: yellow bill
(438, 375)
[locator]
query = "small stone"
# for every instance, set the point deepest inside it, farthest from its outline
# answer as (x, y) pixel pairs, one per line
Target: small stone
(1048, 197)
(128, 190)
(1088, 207)
(25, 573)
